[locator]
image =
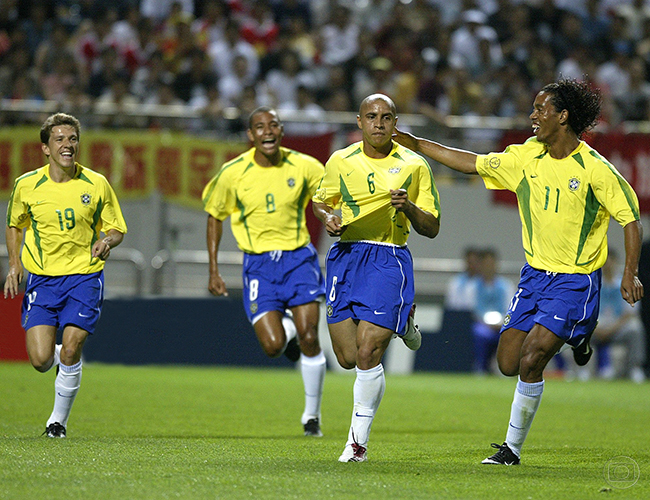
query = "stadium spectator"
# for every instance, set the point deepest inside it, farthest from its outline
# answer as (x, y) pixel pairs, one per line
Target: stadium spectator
(210, 108)
(107, 70)
(210, 27)
(378, 77)
(465, 49)
(634, 104)
(301, 41)
(57, 82)
(56, 45)
(461, 290)
(370, 289)
(538, 37)
(282, 83)
(338, 41)
(37, 26)
(161, 10)
(146, 78)
(232, 85)
(493, 294)
(557, 297)
(313, 114)
(595, 24)
(281, 272)
(615, 73)
(568, 36)
(116, 106)
(259, 27)
(197, 78)
(287, 11)
(223, 53)
(65, 294)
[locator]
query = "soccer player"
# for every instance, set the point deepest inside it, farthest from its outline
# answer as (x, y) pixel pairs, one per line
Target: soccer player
(60, 210)
(566, 193)
(382, 190)
(266, 191)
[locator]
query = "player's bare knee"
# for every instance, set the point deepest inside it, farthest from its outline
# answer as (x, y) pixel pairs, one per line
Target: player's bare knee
(346, 363)
(509, 369)
(508, 365)
(41, 364)
(309, 340)
(531, 366)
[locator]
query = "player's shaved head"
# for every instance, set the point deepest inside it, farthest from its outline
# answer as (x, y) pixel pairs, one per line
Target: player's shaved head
(378, 97)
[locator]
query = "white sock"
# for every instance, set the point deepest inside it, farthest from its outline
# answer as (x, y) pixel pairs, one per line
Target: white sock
(57, 356)
(66, 386)
(313, 376)
(289, 329)
(522, 413)
(368, 390)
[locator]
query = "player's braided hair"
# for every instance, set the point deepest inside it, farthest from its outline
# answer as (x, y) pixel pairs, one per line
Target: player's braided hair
(56, 120)
(580, 99)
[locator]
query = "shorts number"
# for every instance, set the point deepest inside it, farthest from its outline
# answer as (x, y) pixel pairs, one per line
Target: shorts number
(371, 182)
(270, 203)
(68, 213)
(253, 290)
(31, 298)
(333, 290)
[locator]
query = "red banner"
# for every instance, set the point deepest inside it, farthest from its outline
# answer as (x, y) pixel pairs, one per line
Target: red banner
(629, 153)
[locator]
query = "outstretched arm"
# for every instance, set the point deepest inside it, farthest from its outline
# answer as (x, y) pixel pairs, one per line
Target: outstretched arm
(216, 285)
(631, 287)
(456, 159)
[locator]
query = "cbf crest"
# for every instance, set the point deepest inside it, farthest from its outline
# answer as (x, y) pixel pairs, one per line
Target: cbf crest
(86, 198)
(574, 183)
(291, 182)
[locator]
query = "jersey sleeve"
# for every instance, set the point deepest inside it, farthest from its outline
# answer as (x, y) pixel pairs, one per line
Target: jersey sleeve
(428, 198)
(315, 174)
(219, 198)
(111, 215)
(329, 189)
(501, 170)
(17, 210)
(615, 193)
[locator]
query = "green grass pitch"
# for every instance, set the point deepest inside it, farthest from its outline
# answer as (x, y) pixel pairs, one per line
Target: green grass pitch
(198, 432)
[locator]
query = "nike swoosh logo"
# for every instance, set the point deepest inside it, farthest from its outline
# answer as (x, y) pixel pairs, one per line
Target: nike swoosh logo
(312, 292)
(515, 427)
(348, 174)
(63, 395)
(378, 312)
(84, 315)
(558, 318)
(366, 416)
(533, 176)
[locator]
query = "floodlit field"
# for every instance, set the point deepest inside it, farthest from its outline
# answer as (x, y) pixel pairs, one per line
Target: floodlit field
(186, 432)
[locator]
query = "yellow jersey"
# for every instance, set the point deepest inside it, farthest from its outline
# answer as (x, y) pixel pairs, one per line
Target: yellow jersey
(63, 220)
(267, 204)
(360, 186)
(564, 205)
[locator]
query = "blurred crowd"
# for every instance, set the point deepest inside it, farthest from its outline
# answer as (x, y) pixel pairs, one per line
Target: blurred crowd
(434, 57)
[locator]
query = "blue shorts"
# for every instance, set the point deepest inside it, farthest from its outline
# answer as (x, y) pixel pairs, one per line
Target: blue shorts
(372, 282)
(566, 304)
(279, 280)
(58, 301)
